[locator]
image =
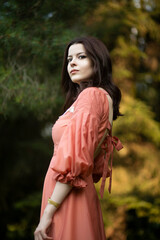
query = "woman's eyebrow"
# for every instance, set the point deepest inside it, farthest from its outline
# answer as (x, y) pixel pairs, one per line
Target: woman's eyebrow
(77, 54)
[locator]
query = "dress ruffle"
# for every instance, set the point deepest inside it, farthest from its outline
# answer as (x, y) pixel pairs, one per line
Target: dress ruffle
(70, 179)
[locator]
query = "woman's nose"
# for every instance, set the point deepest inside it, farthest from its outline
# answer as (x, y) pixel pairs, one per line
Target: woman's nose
(73, 62)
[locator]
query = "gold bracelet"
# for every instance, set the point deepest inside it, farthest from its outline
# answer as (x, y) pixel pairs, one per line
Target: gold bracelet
(53, 203)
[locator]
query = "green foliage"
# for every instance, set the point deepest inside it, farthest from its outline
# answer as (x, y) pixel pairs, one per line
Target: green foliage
(25, 211)
(141, 217)
(33, 37)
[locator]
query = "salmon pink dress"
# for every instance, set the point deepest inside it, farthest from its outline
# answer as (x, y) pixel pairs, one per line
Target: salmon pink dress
(76, 135)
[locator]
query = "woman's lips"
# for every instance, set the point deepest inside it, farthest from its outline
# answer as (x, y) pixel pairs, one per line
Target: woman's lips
(73, 71)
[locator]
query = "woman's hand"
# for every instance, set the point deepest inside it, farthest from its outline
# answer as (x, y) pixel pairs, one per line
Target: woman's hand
(59, 193)
(41, 230)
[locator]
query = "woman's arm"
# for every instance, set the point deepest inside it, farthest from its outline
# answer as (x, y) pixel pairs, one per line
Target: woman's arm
(60, 191)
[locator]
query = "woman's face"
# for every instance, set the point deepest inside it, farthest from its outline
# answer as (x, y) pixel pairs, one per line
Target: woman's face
(79, 65)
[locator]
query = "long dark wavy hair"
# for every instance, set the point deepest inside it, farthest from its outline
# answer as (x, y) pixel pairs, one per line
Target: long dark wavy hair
(102, 73)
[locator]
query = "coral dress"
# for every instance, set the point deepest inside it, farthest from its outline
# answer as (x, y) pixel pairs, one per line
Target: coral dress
(76, 135)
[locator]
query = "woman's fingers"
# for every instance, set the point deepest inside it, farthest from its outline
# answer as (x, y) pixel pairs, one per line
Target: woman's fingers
(45, 236)
(37, 236)
(40, 235)
(49, 238)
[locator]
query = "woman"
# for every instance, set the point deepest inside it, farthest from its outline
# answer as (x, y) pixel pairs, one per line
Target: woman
(70, 205)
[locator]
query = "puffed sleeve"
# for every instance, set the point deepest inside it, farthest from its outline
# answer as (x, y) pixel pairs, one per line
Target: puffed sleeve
(73, 162)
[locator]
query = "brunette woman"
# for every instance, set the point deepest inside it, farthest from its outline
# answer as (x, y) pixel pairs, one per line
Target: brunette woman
(83, 145)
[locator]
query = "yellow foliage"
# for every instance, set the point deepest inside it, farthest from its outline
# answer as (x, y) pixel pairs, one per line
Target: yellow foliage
(138, 122)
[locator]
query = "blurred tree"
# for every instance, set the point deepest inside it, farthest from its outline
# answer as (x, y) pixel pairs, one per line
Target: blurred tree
(33, 37)
(131, 30)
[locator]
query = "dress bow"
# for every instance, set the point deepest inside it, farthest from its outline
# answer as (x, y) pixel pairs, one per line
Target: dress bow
(108, 146)
(117, 143)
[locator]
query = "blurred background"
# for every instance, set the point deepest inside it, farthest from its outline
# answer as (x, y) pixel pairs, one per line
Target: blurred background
(33, 36)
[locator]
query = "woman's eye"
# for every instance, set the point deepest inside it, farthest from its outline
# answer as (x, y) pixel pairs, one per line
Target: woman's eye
(69, 59)
(82, 56)
(79, 57)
